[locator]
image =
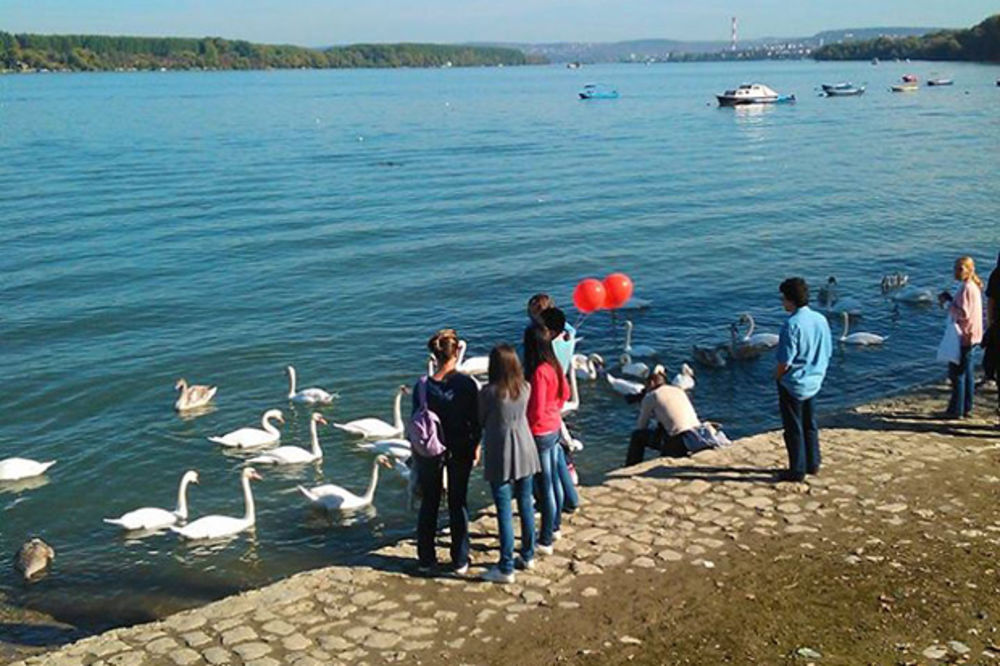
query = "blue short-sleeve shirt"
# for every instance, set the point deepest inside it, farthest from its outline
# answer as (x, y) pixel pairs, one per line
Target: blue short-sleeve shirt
(805, 346)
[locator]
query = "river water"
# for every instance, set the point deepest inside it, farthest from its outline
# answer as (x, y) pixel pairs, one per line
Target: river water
(219, 226)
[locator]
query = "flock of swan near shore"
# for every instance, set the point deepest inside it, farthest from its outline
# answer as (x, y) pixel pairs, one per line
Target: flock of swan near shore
(387, 440)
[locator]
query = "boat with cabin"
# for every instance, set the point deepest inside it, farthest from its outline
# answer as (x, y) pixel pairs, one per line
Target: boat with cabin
(752, 93)
(598, 91)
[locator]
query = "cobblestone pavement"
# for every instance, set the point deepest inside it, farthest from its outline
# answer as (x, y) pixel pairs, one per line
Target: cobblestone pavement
(662, 515)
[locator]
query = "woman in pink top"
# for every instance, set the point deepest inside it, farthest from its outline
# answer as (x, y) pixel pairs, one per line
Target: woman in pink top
(967, 310)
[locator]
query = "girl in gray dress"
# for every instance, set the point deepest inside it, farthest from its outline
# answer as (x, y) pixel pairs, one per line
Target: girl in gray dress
(510, 458)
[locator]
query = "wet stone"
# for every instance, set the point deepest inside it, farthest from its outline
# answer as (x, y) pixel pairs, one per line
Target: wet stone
(248, 651)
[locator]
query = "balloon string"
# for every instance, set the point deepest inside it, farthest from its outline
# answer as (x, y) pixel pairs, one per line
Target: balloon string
(580, 320)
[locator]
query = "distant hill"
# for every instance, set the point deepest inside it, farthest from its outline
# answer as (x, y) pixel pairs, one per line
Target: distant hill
(979, 43)
(25, 52)
(667, 49)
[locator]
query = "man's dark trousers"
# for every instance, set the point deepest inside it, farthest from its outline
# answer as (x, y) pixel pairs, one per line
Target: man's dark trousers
(801, 433)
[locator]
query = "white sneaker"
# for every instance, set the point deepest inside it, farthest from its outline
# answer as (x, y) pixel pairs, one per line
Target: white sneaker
(544, 550)
(462, 570)
(523, 564)
(494, 575)
(556, 535)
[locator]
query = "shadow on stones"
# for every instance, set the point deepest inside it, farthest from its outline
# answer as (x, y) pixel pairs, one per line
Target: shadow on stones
(38, 635)
(712, 474)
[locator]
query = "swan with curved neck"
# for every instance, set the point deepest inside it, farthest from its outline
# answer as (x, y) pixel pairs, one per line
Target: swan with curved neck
(861, 339)
(757, 340)
(15, 469)
(623, 386)
(573, 403)
(585, 367)
(684, 379)
(252, 438)
(153, 518)
(295, 455)
(638, 350)
(631, 368)
(335, 498)
(307, 396)
(193, 396)
(372, 428)
(217, 527)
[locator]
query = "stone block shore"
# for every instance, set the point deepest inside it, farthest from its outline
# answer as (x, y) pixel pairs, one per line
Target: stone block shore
(666, 517)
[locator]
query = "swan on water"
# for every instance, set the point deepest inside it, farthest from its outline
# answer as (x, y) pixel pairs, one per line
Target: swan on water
(710, 356)
(631, 368)
(585, 367)
(397, 447)
(831, 301)
(153, 518)
(573, 403)
(34, 558)
(863, 339)
(893, 281)
(334, 498)
(372, 428)
(757, 340)
(253, 438)
(295, 455)
(217, 527)
(914, 295)
(685, 378)
(193, 396)
(737, 349)
(307, 396)
(623, 386)
(15, 469)
(638, 350)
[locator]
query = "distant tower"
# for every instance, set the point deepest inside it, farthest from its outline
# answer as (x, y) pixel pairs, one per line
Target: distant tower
(732, 47)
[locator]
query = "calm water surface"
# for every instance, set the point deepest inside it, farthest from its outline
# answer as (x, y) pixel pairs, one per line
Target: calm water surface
(219, 226)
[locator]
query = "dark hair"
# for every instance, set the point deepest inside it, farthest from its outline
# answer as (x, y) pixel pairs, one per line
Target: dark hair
(656, 379)
(795, 290)
(554, 320)
(538, 350)
(536, 304)
(443, 345)
(505, 372)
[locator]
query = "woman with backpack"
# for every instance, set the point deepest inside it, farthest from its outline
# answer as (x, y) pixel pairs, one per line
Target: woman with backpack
(452, 400)
(549, 391)
(510, 458)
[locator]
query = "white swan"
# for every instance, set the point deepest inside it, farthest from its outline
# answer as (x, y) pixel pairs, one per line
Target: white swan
(333, 497)
(638, 350)
(153, 518)
(757, 340)
(217, 527)
(193, 396)
(585, 367)
(397, 447)
(15, 469)
(252, 438)
(738, 349)
(685, 378)
(623, 386)
(913, 295)
(372, 428)
(863, 339)
(573, 403)
(307, 396)
(631, 368)
(295, 455)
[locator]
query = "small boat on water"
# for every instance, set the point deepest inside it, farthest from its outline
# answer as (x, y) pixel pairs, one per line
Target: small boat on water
(940, 82)
(844, 89)
(905, 87)
(752, 93)
(598, 91)
(574, 65)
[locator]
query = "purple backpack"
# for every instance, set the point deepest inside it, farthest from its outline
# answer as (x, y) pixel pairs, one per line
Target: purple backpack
(424, 427)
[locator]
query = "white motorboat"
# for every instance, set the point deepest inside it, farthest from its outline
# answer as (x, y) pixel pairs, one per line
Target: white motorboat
(752, 93)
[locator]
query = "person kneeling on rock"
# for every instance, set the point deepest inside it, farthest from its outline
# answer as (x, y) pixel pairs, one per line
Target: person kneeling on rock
(677, 431)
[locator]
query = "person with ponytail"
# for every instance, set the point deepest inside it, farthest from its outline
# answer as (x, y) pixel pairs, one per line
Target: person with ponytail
(454, 398)
(966, 308)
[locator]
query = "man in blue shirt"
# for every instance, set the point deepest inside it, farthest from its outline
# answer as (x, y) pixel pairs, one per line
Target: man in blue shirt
(804, 349)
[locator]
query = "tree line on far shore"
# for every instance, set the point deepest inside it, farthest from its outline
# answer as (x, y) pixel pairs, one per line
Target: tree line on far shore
(108, 53)
(980, 43)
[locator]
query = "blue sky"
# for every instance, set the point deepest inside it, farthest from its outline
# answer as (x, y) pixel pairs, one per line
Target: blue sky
(323, 22)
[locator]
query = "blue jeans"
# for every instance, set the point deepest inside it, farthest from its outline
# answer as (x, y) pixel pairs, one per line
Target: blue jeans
(963, 384)
(502, 495)
(566, 497)
(546, 480)
(801, 433)
(428, 472)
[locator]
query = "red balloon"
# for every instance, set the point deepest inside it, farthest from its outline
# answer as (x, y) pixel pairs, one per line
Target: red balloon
(618, 288)
(589, 295)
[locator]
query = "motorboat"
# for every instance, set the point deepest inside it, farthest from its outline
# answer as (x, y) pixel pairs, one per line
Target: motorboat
(752, 93)
(940, 82)
(844, 89)
(905, 87)
(598, 91)
(574, 65)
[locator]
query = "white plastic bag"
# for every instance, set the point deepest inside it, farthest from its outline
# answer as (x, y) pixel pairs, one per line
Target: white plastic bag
(950, 349)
